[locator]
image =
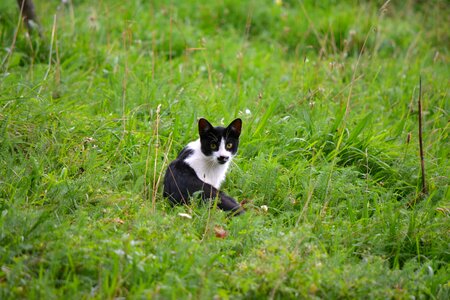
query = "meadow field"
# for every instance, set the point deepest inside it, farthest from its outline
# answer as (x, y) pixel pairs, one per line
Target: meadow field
(92, 111)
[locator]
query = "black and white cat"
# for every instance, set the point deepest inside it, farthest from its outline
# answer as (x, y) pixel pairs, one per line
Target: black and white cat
(202, 165)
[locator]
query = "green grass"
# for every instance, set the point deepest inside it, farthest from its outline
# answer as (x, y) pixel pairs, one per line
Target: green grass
(328, 96)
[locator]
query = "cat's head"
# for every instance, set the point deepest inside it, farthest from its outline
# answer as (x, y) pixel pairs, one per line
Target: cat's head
(218, 142)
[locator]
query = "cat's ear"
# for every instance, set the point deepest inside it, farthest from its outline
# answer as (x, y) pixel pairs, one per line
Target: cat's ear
(204, 126)
(236, 126)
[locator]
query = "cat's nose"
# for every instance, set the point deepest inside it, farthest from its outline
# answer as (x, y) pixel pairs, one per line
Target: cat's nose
(222, 159)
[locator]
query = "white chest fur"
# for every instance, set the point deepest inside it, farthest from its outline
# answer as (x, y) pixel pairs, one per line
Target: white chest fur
(206, 167)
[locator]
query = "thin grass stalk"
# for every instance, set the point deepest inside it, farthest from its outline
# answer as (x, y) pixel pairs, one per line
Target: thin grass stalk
(320, 40)
(57, 67)
(125, 80)
(311, 188)
(9, 53)
(166, 159)
(154, 186)
(49, 54)
(33, 56)
(170, 42)
(422, 161)
(72, 17)
(125, 36)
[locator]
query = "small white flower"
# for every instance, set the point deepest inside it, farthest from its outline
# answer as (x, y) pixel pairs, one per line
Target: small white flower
(119, 252)
(134, 243)
(183, 215)
(247, 111)
(264, 208)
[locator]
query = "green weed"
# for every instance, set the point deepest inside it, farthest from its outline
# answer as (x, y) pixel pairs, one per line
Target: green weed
(328, 163)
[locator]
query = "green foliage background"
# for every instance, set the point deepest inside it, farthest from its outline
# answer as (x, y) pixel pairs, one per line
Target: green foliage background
(91, 114)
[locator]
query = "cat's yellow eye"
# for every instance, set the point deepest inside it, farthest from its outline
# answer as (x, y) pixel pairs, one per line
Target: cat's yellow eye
(229, 146)
(213, 146)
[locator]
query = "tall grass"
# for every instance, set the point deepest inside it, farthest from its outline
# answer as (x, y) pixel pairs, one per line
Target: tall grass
(91, 114)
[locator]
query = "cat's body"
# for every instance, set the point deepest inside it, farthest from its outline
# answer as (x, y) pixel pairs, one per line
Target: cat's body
(202, 165)
(205, 167)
